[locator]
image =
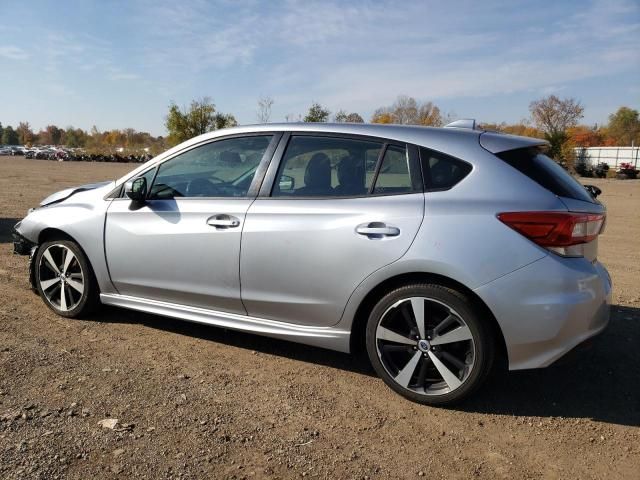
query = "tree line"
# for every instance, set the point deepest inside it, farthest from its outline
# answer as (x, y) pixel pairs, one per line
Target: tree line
(92, 141)
(555, 119)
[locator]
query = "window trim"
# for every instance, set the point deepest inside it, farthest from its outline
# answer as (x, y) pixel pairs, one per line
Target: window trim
(413, 161)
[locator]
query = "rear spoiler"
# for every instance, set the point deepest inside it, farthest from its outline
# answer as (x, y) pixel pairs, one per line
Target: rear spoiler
(501, 142)
(496, 142)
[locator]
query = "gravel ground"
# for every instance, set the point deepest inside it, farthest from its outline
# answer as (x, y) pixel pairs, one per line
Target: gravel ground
(198, 402)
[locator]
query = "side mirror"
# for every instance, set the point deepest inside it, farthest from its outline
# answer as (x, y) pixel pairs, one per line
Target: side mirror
(593, 190)
(136, 189)
(287, 183)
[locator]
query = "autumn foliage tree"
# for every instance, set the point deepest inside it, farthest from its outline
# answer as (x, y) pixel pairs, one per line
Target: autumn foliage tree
(624, 127)
(25, 134)
(554, 116)
(408, 111)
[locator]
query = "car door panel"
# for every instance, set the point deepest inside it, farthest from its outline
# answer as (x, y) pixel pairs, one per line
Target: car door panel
(302, 259)
(169, 250)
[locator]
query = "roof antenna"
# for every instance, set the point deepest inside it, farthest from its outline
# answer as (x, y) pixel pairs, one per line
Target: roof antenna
(462, 123)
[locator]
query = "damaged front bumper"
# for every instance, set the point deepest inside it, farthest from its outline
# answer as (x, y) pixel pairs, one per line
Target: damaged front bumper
(24, 246)
(21, 245)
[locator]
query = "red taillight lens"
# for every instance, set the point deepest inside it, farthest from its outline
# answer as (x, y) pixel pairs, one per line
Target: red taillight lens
(555, 229)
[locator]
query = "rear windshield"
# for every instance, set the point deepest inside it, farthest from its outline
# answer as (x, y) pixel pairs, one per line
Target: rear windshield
(547, 173)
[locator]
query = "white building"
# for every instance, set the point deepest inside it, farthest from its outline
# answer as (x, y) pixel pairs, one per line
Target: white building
(613, 156)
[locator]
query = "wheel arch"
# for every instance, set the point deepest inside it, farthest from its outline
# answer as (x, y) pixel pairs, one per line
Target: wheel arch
(52, 233)
(358, 326)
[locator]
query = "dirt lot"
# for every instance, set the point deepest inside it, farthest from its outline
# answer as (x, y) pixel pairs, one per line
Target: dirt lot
(197, 402)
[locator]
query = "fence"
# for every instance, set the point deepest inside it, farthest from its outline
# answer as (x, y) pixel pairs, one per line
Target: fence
(613, 156)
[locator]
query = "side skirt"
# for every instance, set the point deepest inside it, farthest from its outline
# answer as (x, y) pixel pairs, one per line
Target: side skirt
(323, 337)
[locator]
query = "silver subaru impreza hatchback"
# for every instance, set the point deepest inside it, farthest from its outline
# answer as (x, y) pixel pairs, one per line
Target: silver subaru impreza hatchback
(436, 250)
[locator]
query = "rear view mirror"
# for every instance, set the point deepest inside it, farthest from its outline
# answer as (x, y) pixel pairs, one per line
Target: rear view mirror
(136, 190)
(287, 183)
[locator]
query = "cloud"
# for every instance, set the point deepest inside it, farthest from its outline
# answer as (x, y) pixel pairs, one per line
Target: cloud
(124, 76)
(13, 53)
(438, 55)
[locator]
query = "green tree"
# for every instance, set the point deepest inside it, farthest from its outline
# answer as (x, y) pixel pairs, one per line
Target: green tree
(317, 114)
(74, 137)
(224, 120)
(201, 117)
(1, 130)
(9, 136)
(343, 116)
(624, 126)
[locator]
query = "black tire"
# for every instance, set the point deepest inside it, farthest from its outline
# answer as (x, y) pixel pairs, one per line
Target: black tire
(381, 351)
(78, 304)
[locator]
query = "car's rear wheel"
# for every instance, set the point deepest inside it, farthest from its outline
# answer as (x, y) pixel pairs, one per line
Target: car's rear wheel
(428, 344)
(64, 278)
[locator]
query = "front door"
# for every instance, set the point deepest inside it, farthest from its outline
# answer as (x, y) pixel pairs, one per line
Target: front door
(340, 209)
(183, 245)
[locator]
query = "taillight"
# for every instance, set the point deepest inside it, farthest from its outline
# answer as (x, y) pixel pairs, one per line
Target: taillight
(557, 231)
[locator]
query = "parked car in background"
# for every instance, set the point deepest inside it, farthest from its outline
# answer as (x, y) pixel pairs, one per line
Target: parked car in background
(436, 251)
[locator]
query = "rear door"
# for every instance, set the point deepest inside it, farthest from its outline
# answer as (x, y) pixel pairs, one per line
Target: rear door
(333, 210)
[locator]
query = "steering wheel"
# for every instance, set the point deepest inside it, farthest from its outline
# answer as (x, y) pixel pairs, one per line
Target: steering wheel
(213, 177)
(201, 187)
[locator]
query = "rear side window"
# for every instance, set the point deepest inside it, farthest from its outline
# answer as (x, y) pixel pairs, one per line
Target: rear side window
(441, 172)
(342, 167)
(545, 172)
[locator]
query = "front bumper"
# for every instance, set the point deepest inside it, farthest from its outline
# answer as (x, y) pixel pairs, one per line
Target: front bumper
(23, 246)
(549, 307)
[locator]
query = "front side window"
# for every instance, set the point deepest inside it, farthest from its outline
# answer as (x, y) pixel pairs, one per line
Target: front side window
(224, 168)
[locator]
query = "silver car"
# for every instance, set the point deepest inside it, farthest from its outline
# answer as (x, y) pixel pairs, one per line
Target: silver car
(436, 251)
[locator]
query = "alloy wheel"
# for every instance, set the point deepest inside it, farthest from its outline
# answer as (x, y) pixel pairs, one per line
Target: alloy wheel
(61, 278)
(425, 346)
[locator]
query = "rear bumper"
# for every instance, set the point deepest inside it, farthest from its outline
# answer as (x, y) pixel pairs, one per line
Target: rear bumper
(547, 308)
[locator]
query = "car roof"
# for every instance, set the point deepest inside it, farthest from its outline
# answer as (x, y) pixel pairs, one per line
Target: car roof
(415, 134)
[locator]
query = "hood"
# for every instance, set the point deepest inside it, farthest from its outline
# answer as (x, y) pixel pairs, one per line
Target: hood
(66, 193)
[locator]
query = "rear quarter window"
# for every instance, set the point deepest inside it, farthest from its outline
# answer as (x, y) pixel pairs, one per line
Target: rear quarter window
(442, 172)
(545, 172)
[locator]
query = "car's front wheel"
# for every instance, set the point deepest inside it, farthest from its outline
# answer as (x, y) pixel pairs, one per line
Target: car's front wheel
(64, 278)
(428, 344)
